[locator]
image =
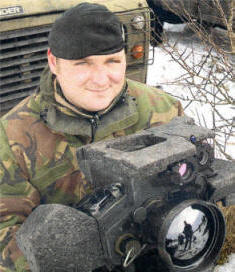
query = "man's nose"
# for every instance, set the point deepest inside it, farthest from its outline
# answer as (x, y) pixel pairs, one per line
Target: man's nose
(100, 76)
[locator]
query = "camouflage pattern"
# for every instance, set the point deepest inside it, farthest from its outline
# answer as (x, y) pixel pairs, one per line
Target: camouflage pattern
(38, 141)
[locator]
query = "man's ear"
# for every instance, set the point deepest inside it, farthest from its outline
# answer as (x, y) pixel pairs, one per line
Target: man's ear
(51, 62)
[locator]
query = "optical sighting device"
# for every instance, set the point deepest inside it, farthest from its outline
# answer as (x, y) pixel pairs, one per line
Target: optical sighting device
(153, 206)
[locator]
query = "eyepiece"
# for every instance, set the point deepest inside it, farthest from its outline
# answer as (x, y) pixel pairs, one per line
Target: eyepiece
(205, 155)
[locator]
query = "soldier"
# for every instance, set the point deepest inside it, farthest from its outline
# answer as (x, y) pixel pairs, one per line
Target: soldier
(188, 232)
(83, 97)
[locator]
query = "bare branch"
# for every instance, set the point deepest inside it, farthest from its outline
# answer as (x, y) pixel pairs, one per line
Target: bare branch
(205, 77)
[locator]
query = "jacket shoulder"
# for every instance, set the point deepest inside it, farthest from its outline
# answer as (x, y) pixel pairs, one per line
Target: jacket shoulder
(154, 104)
(155, 98)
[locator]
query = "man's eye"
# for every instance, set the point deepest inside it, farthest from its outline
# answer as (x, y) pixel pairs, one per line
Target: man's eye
(80, 63)
(114, 61)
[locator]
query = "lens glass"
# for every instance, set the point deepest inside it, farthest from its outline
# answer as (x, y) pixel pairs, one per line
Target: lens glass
(138, 22)
(182, 169)
(188, 234)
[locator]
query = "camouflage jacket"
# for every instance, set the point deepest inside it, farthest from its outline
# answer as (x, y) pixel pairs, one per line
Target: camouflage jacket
(38, 140)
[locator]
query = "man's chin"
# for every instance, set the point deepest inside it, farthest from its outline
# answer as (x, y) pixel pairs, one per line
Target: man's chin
(98, 107)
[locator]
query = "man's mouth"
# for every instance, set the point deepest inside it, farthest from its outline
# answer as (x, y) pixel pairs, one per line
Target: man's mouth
(95, 90)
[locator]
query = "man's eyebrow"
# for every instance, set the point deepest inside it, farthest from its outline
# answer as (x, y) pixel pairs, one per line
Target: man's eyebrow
(90, 59)
(113, 58)
(81, 59)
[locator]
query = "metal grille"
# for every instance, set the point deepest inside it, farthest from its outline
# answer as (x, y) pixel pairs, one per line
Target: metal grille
(22, 59)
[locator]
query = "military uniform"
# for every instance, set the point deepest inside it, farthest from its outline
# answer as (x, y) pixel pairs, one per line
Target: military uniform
(38, 141)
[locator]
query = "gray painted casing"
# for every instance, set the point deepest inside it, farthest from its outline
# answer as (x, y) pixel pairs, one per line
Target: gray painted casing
(58, 236)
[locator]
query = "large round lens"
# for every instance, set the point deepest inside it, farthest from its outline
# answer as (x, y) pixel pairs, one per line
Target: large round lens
(192, 234)
(188, 234)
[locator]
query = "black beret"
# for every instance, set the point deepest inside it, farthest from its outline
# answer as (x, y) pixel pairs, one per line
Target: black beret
(84, 30)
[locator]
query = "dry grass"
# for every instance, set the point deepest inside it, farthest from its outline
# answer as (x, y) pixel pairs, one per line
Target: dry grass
(229, 245)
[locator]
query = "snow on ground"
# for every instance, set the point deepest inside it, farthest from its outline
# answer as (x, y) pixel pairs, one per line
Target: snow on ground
(164, 71)
(228, 267)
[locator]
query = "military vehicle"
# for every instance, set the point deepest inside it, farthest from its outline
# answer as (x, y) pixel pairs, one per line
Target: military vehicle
(206, 13)
(24, 27)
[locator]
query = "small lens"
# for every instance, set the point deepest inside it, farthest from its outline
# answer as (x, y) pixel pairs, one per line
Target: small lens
(182, 169)
(185, 171)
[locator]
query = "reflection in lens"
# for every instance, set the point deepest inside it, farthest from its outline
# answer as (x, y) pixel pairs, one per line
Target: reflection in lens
(194, 235)
(188, 234)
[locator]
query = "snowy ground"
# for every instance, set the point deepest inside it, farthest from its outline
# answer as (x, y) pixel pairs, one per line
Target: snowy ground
(165, 71)
(228, 267)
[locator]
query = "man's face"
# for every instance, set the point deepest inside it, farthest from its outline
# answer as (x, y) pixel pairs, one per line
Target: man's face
(90, 83)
